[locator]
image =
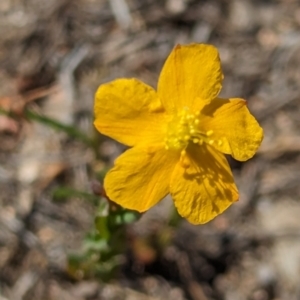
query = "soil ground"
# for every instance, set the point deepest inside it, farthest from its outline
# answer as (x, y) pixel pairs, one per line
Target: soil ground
(53, 56)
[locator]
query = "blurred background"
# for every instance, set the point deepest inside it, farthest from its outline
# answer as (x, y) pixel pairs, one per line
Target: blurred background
(56, 242)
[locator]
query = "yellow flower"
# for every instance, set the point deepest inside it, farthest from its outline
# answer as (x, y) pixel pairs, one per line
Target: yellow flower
(177, 135)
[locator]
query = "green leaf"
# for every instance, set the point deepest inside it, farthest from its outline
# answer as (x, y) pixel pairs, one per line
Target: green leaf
(63, 193)
(70, 130)
(101, 226)
(130, 216)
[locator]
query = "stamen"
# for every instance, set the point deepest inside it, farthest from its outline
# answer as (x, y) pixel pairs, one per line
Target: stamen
(184, 160)
(209, 132)
(185, 128)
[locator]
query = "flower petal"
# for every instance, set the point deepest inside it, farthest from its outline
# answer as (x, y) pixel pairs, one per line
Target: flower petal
(235, 130)
(128, 111)
(140, 177)
(190, 76)
(204, 189)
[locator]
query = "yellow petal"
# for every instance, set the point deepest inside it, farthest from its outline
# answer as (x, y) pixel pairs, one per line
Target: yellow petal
(128, 111)
(235, 130)
(191, 75)
(140, 177)
(204, 189)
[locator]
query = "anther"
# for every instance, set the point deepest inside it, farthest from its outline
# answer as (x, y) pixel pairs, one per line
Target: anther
(211, 142)
(184, 160)
(184, 129)
(209, 132)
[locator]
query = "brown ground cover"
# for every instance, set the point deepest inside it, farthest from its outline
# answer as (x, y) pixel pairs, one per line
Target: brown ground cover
(53, 55)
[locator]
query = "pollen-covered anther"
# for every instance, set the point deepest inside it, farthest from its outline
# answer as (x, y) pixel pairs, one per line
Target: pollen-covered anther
(183, 129)
(184, 159)
(209, 132)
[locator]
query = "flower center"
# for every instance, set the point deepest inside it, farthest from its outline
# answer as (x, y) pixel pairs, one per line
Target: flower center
(185, 128)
